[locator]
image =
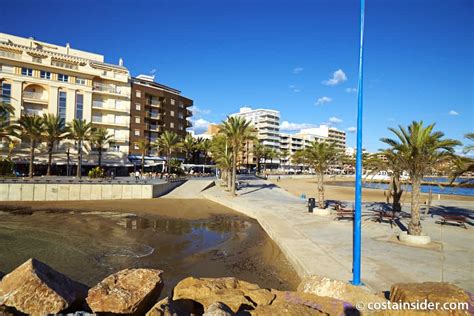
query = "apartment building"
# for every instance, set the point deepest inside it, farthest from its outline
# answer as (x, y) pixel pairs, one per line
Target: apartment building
(266, 123)
(325, 132)
(38, 77)
(156, 108)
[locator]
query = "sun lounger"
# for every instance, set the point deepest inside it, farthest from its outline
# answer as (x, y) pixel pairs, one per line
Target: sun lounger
(344, 214)
(459, 220)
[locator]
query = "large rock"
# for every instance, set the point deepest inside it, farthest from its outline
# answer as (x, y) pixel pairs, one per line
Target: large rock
(343, 291)
(128, 291)
(36, 289)
(218, 309)
(232, 292)
(162, 308)
(435, 292)
(315, 304)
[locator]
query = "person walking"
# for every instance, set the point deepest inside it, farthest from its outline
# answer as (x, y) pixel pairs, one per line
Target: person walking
(137, 175)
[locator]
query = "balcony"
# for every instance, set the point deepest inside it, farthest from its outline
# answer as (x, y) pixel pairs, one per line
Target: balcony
(7, 69)
(154, 116)
(153, 128)
(102, 121)
(189, 113)
(153, 103)
(108, 88)
(32, 112)
(9, 54)
(35, 97)
(189, 124)
(101, 105)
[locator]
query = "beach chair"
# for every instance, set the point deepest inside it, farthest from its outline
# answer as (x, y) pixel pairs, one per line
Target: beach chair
(385, 216)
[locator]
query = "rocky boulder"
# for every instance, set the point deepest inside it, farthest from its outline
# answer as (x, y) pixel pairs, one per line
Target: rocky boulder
(232, 292)
(36, 289)
(218, 309)
(435, 292)
(129, 291)
(343, 291)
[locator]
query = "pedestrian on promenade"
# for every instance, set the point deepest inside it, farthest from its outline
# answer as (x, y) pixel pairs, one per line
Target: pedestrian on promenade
(137, 175)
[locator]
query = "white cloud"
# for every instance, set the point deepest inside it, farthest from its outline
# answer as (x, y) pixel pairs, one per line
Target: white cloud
(337, 77)
(351, 90)
(294, 88)
(323, 100)
(198, 111)
(335, 120)
(452, 112)
(287, 126)
(352, 129)
(297, 70)
(153, 71)
(200, 125)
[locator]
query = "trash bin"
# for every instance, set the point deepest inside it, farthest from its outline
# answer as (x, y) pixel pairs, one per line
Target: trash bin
(311, 204)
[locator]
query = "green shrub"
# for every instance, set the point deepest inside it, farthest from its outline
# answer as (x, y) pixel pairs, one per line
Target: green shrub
(96, 172)
(6, 167)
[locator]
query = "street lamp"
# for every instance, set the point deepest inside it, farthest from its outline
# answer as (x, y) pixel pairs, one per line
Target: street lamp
(358, 180)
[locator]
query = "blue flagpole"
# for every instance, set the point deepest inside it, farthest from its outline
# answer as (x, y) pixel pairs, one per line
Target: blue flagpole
(358, 180)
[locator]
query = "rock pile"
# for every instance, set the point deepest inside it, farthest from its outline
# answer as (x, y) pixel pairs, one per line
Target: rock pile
(36, 289)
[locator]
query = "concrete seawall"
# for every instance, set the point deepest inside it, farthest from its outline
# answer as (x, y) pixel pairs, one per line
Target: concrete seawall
(82, 191)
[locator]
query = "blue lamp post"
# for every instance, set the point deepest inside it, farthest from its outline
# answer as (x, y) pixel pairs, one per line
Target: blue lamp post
(358, 180)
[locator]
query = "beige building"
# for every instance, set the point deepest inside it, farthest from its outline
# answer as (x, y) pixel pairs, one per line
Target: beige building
(38, 77)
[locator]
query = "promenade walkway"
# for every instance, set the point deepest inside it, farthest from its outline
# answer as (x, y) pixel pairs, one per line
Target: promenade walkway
(317, 245)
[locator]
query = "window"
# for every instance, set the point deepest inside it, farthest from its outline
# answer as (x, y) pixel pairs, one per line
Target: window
(27, 72)
(81, 81)
(137, 132)
(6, 93)
(137, 119)
(171, 125)
(79, 106)
(180, 115)
(63, 77)
(62, 104)
(181, 105)
(172, 101)
(180, 127)
(45, 74)
(172, 113)
(135, 146)
(118, 104)
(138, 94)
(137, 106)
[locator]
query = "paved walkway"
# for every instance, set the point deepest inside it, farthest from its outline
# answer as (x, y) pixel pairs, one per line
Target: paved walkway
(191, 189)
(319, 245)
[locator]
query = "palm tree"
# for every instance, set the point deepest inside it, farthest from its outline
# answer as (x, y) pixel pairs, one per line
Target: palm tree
(80, 131)
(266, 154)
(143, 146)
(237, 130)
(99, 138)
(169, 142)
(392, 162)
(258, 152)
(464, 164)
(222, 155)
(188, 145)
(6, 109)
(205, 147)
(420, 149)
(31, 128)
(54, 131)
(320, 156)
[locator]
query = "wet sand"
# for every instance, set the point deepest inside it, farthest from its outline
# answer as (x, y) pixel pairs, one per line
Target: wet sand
(88, 240)
(334, 192)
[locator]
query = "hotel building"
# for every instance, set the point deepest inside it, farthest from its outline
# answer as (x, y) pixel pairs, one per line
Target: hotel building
(154, 109)
(38, 77)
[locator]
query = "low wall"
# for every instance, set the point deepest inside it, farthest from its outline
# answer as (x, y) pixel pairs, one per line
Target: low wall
(82, 191)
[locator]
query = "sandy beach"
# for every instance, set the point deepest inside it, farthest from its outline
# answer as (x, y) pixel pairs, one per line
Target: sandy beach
(334, 192)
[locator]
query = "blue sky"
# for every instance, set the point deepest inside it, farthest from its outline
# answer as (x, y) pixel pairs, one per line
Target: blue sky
(284, 55)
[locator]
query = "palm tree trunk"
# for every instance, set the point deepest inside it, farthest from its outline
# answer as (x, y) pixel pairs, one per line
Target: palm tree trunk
(100, 156)
(414, 227)
(234, 171)
(79, 159)
(143, 162)
(321, 190)
(168, 159)
(50, 158)
(229, 179)
(32, 158)
(396, 193)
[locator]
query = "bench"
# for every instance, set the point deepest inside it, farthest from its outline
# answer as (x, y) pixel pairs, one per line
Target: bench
(381, 216)
(459, 220)
(344, 214)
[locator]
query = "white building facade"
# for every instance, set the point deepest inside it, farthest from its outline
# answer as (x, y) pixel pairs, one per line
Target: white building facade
(38, 78)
